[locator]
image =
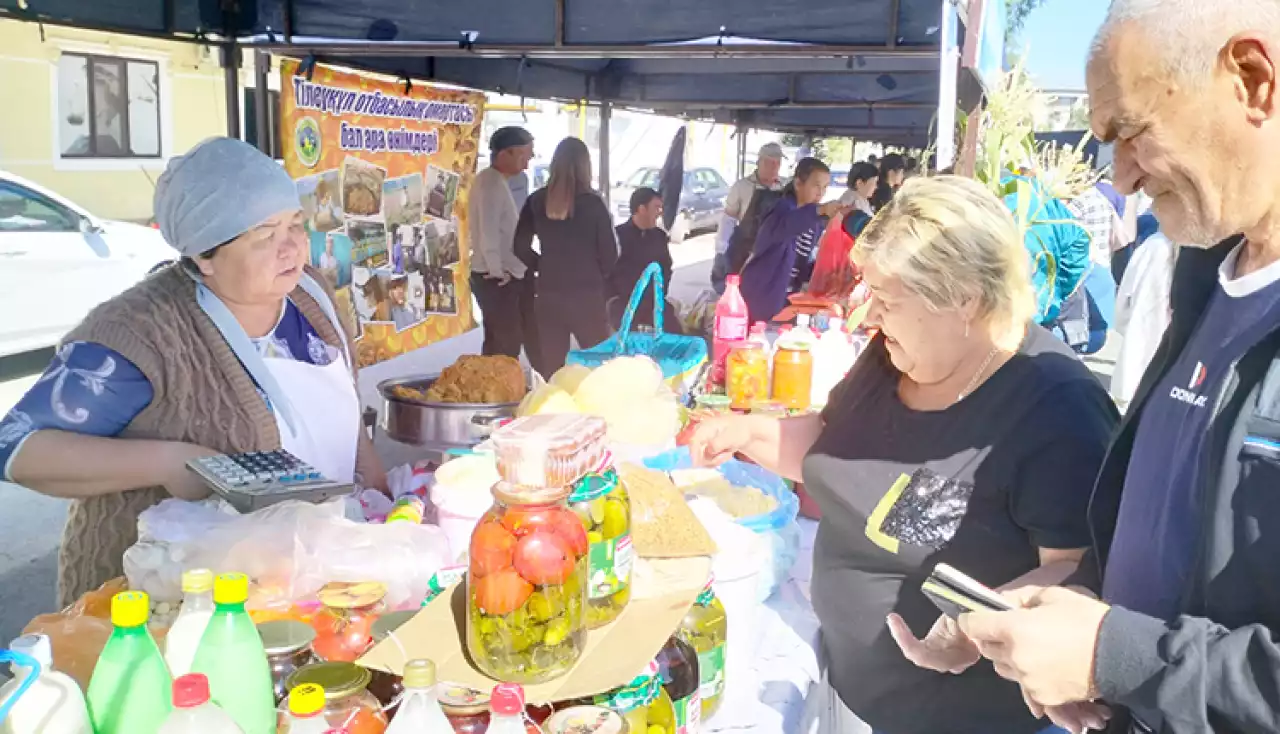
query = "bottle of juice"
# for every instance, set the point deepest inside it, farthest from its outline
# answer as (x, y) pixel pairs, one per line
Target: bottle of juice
(130, 687)
(420, 711)
(506, 711)
(197, 609)
(306, 711)
(706, 629)
(193, 712)
(232, 657)
(678, 666)
(40, 700)
(732, 320)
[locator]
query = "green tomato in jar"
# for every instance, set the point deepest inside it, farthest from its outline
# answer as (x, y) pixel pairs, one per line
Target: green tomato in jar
(596, 508)
(615, 519)
(557, 631)
(541, 606)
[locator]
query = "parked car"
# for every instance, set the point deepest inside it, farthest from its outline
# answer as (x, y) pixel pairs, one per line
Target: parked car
(701, 199)
(58, 261)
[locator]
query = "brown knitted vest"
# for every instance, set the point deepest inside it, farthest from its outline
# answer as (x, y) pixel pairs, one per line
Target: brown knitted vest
(202, 395)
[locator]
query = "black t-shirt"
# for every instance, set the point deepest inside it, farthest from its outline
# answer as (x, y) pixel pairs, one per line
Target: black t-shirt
(980, 485)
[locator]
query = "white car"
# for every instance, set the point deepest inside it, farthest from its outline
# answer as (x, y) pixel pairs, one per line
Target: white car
(57, 262)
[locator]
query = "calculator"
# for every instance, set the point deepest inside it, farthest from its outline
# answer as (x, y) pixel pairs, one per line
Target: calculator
(259, 479)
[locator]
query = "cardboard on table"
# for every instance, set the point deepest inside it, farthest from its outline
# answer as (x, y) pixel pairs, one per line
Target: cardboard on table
(662, 593)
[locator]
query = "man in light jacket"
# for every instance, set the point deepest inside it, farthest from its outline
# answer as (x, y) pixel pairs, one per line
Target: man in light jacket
(766, 176)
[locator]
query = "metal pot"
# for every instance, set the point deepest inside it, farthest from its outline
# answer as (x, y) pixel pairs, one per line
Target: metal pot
(440, 425)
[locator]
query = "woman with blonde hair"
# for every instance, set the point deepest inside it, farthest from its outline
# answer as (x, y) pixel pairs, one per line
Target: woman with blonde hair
(579, 250)
(965, 434)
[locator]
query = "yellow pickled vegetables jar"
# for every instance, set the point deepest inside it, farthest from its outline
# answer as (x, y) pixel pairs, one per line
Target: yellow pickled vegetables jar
(643, 703)
(601, 503)
(747, 376)
(705, 629)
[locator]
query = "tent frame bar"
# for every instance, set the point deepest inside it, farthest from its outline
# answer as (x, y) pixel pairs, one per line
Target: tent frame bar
(616, 51)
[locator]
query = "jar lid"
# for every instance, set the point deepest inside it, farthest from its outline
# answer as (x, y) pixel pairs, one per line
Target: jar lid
(459, 700)
(390, 622)
(511, 494)
(338, 680)
(351, 594)
(285, 636)
(586, 720)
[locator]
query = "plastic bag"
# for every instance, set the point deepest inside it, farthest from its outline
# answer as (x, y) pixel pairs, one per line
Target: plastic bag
(834, 274)
(79, 632)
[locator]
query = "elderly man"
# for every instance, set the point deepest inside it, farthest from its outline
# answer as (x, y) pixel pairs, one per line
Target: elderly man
(1184, 638)
(736, 205)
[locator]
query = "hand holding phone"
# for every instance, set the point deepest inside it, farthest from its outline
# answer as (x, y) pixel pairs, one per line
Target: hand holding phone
(955, 593)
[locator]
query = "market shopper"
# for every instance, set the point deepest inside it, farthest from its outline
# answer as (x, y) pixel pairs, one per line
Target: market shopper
(236, 348)
(780, 246)
(579, 251)
(893, 171)
(766, 177)
(641, 242)
(964, 434)
(502, 283)
(863, 179)
(1184, 638)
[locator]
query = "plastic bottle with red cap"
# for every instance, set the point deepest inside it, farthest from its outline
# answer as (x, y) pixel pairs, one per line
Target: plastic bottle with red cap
(506, 711)
(193, 712)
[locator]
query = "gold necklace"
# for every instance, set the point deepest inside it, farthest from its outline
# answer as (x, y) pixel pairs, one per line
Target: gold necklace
(973, 383)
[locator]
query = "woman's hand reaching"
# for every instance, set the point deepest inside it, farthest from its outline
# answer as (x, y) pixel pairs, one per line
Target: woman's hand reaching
(945, 649)
(716, 440)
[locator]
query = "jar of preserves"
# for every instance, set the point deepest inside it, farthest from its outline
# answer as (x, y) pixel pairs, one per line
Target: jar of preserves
(527, 586)
(747, 376)
(705, 628)
(348, 706)
(678, 668)
(466, 708)
(344, 627)
(643, 704)
(587, 720)
(288, 646)
(601, 503)
(793, 374)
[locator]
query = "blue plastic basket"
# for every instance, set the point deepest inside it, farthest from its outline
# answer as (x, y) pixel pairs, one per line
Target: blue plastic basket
(680, 357)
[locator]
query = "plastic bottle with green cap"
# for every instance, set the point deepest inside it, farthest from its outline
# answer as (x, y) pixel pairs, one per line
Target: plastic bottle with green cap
(420, 711)
(232, 657)
(306, 711)
(197, 609)
(130, 688)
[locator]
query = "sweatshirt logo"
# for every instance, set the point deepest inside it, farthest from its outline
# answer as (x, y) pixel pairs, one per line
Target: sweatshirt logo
(1188, 394)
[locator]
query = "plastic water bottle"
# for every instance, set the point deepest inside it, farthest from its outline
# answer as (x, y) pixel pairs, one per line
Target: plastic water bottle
(833, 355)
(306, 711)
(40, 700)
(732, 320)
(197, 609)
(506, 707)
(420, 711)
(232, 657)
(193, 712)
(130, 688)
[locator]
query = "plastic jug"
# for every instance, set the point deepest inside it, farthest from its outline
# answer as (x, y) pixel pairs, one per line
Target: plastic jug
(197, 609)
(833, 356)
(732, 320)
(193, 712)
(232, 657)
(130, 688)
(40, 700)
(420, 711)
(306, 712)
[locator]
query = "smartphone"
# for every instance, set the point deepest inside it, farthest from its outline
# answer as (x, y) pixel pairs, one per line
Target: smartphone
(955, 593)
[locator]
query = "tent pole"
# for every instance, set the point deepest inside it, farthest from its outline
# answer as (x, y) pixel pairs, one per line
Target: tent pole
(262, 100)
(231, 65)
(742, 151)
(606, 115)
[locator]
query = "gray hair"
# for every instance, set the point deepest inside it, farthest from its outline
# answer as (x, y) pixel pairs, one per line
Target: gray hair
(1189, 32)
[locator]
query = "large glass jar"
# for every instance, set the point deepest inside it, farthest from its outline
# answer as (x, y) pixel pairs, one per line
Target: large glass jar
(527, 586)
(588, 720)
(288, 646)
(348, 706)
(601, 503)
(793, 374)
(466, 708)
(678, 667)
(705, 628)
(747, 376)
(344, 627)
(643, 703)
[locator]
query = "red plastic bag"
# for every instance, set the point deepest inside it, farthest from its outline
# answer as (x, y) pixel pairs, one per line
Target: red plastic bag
(834, 274)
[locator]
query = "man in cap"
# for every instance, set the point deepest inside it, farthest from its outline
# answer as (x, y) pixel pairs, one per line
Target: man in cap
(1185, 636)
(502, 284)
(765, 177)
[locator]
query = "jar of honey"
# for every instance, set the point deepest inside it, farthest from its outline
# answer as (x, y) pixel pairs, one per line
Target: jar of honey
(747, 376)
(793, 374)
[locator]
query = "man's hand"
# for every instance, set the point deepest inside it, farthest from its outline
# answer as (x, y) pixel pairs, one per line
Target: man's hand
(1046, 644)
(501, 278)
(945, 649)
(832, 208)
(1078, 717)
(180, 481)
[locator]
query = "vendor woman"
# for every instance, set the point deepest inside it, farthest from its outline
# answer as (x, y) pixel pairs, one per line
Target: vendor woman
(237, 347)
(964, 434)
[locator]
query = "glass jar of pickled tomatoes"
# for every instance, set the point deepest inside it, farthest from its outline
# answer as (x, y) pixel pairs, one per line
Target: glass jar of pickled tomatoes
(344, 627)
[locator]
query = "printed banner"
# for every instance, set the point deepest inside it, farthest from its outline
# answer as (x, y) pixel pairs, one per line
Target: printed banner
(384, 172)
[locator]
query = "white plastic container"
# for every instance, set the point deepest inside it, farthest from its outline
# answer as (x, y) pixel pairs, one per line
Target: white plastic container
(461, 495)
(52, 705)
(420, 711)
(833, 356)
(197, 609)
(193, 712)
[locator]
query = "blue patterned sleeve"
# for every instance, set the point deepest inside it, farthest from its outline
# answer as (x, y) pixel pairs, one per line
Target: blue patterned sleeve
(87, 389)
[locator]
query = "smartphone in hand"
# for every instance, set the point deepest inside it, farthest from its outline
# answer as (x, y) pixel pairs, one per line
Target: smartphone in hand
(954, 593)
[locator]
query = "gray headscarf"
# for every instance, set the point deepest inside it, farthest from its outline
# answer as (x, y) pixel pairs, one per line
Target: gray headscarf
(219, 190)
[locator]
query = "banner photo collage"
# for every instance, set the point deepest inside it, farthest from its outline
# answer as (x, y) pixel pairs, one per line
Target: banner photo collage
(383, 172)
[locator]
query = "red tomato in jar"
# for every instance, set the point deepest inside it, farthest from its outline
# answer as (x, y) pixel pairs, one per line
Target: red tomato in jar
(491, 549)
(341, 644)
(521, 521)
(502, 592)
(544, 558)
(569, 528)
